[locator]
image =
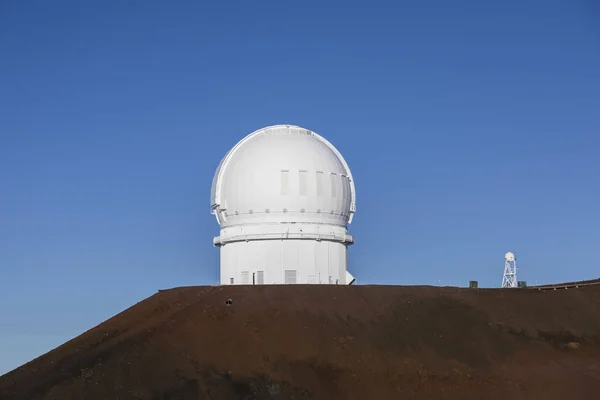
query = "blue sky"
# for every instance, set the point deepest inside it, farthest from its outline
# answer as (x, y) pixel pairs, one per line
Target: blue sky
(471, 129)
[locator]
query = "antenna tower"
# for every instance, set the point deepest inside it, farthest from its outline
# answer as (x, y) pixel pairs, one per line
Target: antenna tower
(509, 279)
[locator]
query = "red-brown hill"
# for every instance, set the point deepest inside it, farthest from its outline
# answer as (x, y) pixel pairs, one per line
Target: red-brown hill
(330, 342)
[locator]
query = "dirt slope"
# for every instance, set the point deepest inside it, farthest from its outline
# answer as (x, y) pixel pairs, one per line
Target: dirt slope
(330, 342)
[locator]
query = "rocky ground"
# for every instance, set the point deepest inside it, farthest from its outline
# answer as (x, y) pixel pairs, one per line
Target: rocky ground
(330, 342)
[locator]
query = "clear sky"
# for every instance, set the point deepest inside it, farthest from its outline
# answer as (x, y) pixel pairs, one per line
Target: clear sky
(471, 127)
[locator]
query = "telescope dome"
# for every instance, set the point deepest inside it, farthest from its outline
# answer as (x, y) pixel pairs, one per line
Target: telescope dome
(280, 174)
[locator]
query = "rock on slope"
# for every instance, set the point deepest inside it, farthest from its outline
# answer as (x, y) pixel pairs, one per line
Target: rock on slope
(330, 342)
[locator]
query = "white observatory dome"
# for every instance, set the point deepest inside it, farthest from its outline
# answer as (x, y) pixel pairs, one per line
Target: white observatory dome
(283, 189)
(281, 174)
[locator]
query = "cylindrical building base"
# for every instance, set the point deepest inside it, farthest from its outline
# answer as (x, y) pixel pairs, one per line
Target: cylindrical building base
(287, 261)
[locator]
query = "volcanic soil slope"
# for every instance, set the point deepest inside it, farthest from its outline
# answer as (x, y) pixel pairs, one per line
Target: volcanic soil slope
(330, 342)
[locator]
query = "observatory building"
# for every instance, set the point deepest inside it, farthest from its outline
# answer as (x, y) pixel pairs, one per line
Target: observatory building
(283, 197)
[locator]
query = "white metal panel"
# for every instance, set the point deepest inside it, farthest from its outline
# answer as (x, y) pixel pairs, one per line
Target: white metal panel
(306, 259)
(274, 270)
(224, 263)
(260, 252)
(240, 260)
(342, 265)
(260, 277)
(333, 261)
(290, 254)
(322, 261)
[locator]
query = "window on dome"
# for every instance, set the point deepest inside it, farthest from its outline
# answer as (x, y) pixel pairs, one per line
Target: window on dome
(319, 183)
(302, 179)
(285, 182)
(334, 184)
(345, 186)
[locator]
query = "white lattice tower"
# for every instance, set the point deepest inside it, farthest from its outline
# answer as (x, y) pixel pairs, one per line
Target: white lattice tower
(509, 279)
